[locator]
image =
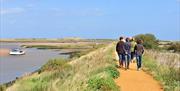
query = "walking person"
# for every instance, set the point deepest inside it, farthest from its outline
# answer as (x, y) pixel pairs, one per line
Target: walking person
(120, 49)
(133, 44)
(139, 50)
(127, 53)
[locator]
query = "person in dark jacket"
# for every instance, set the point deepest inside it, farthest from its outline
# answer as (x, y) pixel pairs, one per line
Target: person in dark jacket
(127, 53)
(139, 50)
(120, 49)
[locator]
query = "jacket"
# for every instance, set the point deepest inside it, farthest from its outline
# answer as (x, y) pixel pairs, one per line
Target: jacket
(139, 49)
(120, 47)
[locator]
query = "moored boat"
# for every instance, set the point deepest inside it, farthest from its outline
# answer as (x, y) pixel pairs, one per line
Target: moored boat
(17, 52)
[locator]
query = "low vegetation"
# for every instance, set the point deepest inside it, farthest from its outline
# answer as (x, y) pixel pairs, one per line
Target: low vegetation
(94, 71)
(164, 67)
(59, 46)
(175, 47)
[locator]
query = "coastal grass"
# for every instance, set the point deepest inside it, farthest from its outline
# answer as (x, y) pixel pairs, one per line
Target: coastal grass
(167, 74)
(94, 71)
(57, 46)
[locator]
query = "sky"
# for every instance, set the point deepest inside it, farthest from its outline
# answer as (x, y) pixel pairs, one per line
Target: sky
(89, 18)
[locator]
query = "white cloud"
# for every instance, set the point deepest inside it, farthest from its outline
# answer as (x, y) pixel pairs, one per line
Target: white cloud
(11, 11)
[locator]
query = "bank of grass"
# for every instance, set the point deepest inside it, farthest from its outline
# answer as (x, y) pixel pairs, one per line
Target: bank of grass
(79, 53)
(94, 71)
(57, 46)
(168, 75)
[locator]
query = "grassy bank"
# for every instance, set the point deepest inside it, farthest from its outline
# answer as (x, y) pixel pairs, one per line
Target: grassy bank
(165, 68)
(94, 71)
(61, 46)
(74, 50)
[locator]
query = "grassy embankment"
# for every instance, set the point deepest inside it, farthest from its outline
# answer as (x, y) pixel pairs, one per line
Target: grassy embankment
(94, 71)
(75, 50)
(164, 67)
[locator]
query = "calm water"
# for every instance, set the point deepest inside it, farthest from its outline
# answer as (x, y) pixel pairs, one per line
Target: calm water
(12, 66)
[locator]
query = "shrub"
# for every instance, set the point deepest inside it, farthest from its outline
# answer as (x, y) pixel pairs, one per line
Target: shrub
(149, 40)
(175, 47)
(112, 71)
(102, 79)
(102, 84)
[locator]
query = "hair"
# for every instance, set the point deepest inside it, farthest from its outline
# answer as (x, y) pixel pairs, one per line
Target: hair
(139, 41)
(127, 39)
(120, 38)
(132, 39)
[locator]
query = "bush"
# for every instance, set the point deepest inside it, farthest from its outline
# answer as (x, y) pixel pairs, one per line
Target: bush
(102, 84)
(175, 47)
(149, 40)
(112, 71)
(102, 79)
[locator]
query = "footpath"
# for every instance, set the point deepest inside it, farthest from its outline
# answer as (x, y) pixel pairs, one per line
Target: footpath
(133, 80)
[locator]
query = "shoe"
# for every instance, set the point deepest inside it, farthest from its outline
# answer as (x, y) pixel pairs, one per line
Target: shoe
(137, 69)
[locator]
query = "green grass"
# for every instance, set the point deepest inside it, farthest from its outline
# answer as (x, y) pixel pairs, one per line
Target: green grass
(168, 76)
(57, 47)
(103, 79)
(102, 83)
(55, 64)
(54, 69)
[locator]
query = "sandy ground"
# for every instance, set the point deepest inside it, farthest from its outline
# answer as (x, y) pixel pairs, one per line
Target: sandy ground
(133, 80)
(4, 52)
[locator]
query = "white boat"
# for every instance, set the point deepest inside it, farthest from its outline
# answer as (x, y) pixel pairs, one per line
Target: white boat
(16, 52)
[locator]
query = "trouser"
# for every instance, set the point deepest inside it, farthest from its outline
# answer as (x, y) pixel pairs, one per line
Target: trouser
(139, 60)
(132, 55)
(127, 60)
(121, 59)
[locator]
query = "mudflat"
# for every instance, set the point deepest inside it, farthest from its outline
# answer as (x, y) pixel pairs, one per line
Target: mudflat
(4, 52)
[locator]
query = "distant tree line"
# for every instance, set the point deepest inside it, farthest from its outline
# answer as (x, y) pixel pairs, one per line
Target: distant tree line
(151, 42)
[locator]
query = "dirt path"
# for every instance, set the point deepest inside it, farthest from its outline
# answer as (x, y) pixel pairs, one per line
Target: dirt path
(133, 80)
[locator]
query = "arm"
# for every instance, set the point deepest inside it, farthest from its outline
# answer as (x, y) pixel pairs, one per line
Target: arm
(142, 49)
(117, 47)
(124, 48)
(135, 48)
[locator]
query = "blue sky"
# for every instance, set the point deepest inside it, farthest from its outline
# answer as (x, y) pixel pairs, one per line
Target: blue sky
(89, 18)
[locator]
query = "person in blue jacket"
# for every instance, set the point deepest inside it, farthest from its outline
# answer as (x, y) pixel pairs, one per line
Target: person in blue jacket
(127, 46)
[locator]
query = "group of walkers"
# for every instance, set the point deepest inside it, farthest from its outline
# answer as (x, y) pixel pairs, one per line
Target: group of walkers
(128, 49)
